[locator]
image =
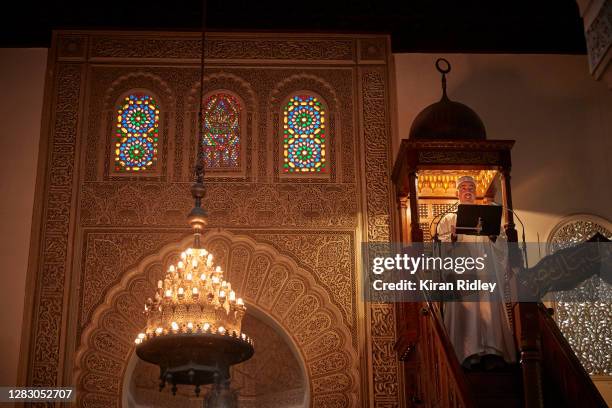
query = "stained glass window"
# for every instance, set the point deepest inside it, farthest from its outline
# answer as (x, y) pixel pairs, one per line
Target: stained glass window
(136, 134)
(221, 136)
(304, 138)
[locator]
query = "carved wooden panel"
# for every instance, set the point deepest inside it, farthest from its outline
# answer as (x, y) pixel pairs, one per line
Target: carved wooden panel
(289, 245)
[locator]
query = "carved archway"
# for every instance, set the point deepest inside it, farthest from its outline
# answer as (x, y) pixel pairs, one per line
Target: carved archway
(270, 282)
(274, 378)
(585, 325)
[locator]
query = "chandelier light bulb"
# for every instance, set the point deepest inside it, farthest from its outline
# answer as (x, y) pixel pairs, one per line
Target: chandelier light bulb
(181, 286)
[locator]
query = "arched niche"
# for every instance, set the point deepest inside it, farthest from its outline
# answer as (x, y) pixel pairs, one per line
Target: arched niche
(274, 378)
(282, 297)
(587, 325)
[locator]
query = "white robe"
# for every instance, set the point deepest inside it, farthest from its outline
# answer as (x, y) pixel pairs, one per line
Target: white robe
(479, 328)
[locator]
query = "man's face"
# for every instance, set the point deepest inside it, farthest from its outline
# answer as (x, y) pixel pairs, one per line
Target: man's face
(466, 192)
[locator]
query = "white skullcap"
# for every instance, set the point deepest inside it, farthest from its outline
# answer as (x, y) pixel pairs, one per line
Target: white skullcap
(464, 179)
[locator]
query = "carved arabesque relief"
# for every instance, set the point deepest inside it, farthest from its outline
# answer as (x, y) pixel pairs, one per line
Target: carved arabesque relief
(586, 325)
(97, 229)
(269, 281)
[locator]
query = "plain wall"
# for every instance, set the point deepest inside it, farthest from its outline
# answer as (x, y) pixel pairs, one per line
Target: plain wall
(560, 117)
(22, 76)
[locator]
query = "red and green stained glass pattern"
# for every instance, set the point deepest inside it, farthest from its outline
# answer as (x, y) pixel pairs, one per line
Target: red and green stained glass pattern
(137, 134)
(304, 135)
(221, 135)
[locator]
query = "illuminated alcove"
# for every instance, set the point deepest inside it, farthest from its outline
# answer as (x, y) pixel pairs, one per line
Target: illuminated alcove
(274, 377)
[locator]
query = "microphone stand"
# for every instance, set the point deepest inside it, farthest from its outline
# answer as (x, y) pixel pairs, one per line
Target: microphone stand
(436, 240)
(522, 236)
(524, 246)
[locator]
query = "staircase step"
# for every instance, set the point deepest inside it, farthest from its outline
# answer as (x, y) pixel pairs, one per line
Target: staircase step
(499, 402)
(494, 383)
(497, 389)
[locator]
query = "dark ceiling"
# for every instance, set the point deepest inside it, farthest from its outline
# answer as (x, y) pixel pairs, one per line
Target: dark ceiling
(510, 26)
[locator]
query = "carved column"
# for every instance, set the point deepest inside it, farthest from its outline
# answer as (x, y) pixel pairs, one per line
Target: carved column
(526, 316)
(509, 226)
(416, 234)
(402, 206)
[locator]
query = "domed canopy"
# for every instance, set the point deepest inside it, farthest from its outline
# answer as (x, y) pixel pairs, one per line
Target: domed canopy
(447, 119)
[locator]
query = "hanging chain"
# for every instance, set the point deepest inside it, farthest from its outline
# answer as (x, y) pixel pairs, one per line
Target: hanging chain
(199, 167)
(198, 216)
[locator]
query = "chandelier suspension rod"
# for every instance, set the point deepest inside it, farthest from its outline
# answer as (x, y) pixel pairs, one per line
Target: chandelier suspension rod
(198, 216)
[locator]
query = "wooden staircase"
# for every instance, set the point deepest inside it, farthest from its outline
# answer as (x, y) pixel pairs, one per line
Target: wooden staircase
(497, 389)
(433, 376)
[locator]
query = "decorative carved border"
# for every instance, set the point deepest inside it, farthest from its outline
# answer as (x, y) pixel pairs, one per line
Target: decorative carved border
(244, 48)
(377, 159)
(45, 356)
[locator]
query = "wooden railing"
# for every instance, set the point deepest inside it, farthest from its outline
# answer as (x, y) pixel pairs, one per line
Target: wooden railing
(432, 373)
(564, 377)
(550, 373)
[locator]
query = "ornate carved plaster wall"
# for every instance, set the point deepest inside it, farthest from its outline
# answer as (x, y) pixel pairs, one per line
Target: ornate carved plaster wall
(292, 243)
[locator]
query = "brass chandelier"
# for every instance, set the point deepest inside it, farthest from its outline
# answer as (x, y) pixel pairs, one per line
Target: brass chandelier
(193, 330)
